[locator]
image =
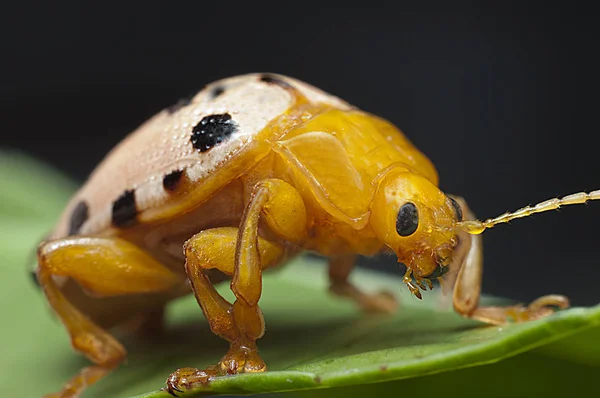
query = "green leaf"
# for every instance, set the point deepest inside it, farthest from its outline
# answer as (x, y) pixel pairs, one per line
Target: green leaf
(315, 344)
(30, 189)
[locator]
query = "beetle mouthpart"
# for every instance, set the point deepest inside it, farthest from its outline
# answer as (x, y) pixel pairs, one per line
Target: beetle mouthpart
(414, 290)
(424, 283)
(417, 284)
(443, 261)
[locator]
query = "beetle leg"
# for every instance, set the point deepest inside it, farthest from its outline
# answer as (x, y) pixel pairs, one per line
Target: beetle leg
(340, 268)
(84, 260)
(284, 211)
(467, 288)
(242, 254)
(215, 249)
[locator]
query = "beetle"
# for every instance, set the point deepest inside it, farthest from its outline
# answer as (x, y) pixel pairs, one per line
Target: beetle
(236, 180)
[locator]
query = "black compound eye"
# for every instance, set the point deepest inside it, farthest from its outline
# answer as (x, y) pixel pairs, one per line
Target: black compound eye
(457, 209)
(408, 219)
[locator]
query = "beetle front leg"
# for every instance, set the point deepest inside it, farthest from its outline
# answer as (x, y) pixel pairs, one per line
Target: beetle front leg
(340, 268)
(84, 260)
(242, 254)
(467, 288)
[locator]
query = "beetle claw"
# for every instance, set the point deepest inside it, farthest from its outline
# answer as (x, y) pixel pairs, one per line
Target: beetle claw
(171, 390)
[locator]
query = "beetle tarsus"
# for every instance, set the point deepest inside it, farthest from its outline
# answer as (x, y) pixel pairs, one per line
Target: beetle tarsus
(551, 300)
(187, 378)
(242, 358)
(538, 309)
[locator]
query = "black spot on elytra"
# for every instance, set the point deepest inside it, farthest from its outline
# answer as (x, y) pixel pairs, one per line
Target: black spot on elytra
(275, 80)
(171, 180)
(183, 102)
(212, 130)
(124, 210)
(79, 216)
(215, 92)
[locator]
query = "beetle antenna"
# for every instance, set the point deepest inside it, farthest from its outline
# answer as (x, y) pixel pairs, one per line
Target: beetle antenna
(475, 227)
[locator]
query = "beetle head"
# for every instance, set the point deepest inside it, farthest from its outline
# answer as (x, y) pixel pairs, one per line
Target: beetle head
(416, 220)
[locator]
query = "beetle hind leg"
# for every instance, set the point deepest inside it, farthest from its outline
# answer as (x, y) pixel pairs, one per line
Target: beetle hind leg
(99, 346)
(84, 260)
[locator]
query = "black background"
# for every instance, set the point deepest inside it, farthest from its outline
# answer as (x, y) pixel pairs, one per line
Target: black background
(503, 99)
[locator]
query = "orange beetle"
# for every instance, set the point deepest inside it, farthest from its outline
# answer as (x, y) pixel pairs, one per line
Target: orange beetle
(248, 173)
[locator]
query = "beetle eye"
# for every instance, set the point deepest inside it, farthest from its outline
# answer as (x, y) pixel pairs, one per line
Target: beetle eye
(408, 219)
(457, 209)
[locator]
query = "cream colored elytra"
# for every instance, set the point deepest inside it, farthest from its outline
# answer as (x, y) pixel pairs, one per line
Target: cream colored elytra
(161, 145)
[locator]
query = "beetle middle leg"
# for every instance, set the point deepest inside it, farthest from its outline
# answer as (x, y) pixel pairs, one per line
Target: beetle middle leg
(467, 288)
(340, 268)
(242, 254)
